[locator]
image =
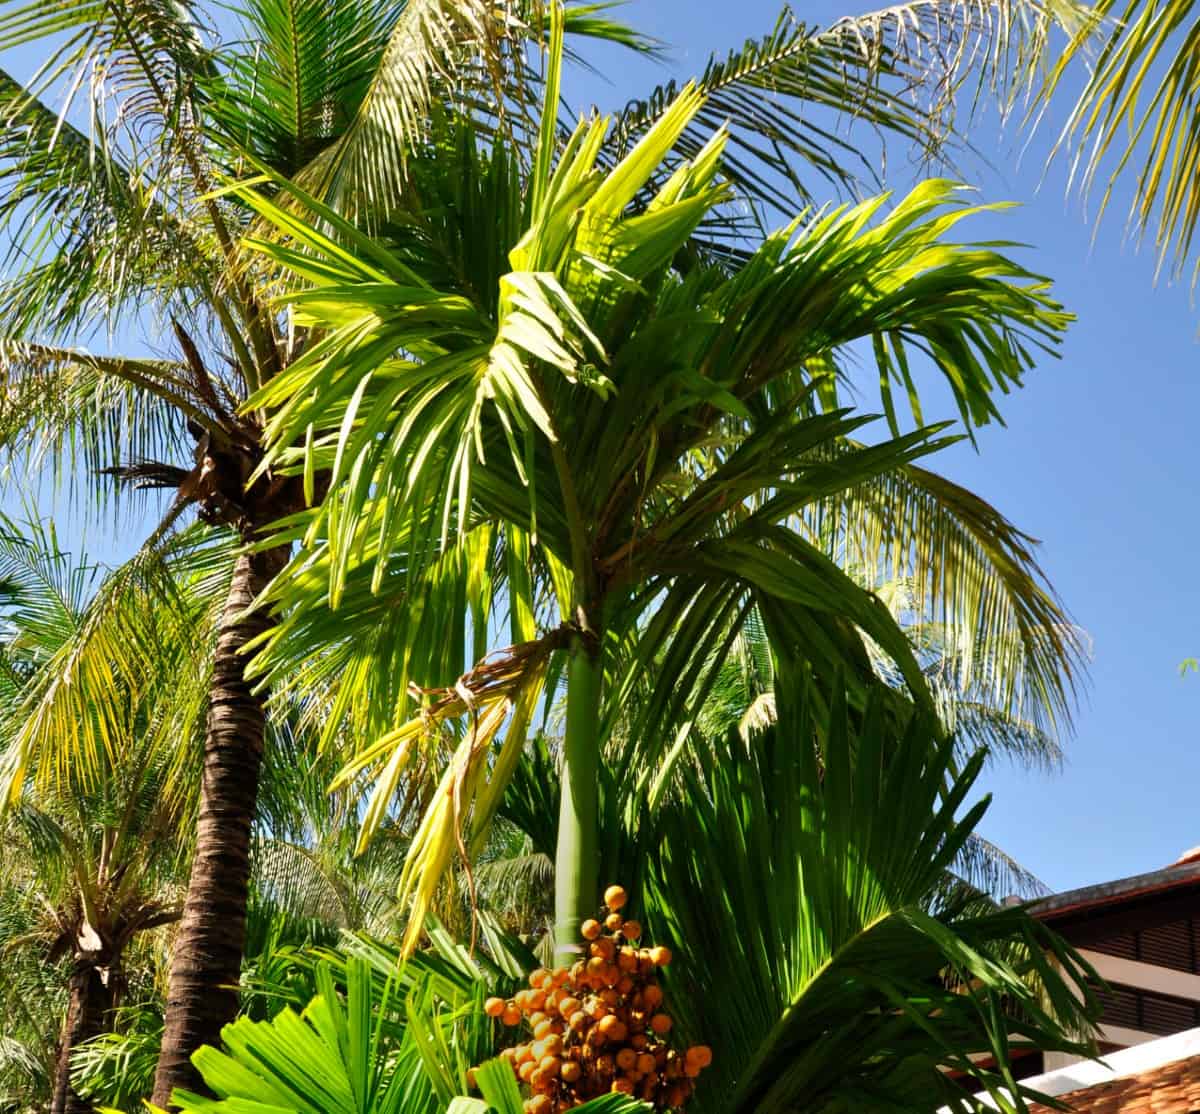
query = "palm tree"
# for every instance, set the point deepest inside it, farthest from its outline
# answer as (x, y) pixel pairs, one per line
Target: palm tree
(578, 393)
(96, 846)
(114, 224)
(814, 949)
(117, 223)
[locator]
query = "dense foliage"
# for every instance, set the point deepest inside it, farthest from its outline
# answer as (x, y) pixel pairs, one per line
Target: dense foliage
(539, 546)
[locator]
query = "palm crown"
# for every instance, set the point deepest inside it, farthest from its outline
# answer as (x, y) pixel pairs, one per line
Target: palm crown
(546, 367)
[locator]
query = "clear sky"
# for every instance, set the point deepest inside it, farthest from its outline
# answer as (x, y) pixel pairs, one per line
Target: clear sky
(1098, 459)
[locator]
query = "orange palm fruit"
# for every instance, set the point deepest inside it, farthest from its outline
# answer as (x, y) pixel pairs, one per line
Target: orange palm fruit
(646, 1063)
(568, 1006)
(660, 956)
(660, 1023)
(615, 898)
(626, 1059)
(622, 1086)
(613, 1028)
(590, 929)
(570, 1071)
(652, 996)
(494, 1007)
(700, 1054)
(613, 922)
(511, 1015)
(526, 1070)
(631, 930)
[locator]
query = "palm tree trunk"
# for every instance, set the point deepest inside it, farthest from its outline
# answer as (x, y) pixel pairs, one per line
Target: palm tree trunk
(575, 862)
(88, 1004)
(202, 993)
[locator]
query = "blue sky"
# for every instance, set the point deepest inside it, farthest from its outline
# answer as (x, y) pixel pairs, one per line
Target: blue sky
(1098, 460)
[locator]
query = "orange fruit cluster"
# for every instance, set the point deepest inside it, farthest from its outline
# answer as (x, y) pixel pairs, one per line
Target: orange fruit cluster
(599, 1026)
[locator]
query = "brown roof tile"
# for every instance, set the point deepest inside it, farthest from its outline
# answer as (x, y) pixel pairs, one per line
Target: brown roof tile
(1173, 1088)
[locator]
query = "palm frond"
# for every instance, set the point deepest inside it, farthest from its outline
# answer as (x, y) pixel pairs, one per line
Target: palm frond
(427, 41)
(973, 586)
(792, 97)
(793, 891)
(1137, 116)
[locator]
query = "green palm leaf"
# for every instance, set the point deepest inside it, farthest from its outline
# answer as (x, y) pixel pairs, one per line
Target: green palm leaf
(793, 889)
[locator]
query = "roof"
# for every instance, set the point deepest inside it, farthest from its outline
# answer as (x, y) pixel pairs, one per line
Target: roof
(1158, 1077)
(1172, 1088)
(1173, 878)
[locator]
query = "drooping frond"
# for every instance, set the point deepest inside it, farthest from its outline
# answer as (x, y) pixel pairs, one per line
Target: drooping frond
(1138, 116)
(427, 41)
(972, 584)
(88, 235)
(80, 413)
(145, 630)
(793, 97)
